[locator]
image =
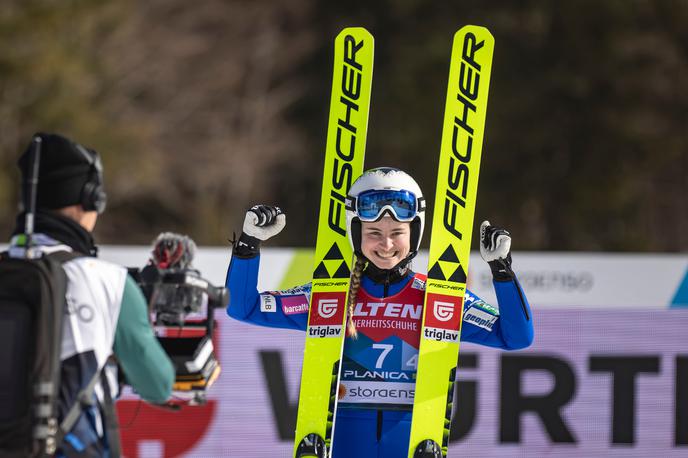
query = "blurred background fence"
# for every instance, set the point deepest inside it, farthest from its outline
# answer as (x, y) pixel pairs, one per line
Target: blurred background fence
(607, 374)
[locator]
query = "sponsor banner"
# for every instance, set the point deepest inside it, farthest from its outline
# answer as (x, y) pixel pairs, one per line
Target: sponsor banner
(588, 280)
(325, 331)
(440, 334)
(681, 295)
(268, 303)
(418, 284)
(294, 305)
(557, 280)
(329, 309)
(479, 318)
(594, 383)
(375, 393)
(442, 317)
(325, 320)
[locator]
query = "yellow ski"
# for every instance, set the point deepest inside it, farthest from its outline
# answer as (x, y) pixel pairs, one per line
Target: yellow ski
(450, 243)
(346, 138)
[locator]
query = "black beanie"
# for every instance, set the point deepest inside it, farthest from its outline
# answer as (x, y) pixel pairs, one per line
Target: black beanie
(63, 171)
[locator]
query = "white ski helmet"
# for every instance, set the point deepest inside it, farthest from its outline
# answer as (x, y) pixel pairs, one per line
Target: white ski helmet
(380, 191)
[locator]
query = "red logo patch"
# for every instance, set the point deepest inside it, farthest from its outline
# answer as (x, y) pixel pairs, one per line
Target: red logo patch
(443, 312)
(327, 309)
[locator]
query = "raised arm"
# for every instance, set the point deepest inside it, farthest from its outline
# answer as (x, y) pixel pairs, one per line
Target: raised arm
(508, 326)
(279, 309)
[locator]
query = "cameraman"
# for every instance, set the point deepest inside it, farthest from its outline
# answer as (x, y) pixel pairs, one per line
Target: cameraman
(106, 311)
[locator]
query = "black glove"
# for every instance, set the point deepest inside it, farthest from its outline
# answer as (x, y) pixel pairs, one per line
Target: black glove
(495, 249)
(260, 223)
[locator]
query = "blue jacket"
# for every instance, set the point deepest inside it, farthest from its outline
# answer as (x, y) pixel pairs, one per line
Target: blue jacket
(512, 328)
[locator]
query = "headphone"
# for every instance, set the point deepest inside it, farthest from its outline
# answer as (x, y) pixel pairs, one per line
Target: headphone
(93, 197)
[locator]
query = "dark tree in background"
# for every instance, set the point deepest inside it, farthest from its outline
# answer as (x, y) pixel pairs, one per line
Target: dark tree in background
(202, 109)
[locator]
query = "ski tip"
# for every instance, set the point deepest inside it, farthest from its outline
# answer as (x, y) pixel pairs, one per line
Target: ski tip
(477, 30)
(356, 31)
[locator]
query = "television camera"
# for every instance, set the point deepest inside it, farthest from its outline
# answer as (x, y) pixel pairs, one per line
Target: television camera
(181, 305)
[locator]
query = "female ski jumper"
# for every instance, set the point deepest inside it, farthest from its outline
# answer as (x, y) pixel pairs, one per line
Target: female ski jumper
(378, 370)
(385, 218)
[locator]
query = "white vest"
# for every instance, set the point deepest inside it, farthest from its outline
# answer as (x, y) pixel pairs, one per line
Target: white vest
(94, 298)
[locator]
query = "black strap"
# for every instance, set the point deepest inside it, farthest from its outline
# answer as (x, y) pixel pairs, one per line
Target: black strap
(246, 247)
(83, 399)
(111, 422)
(63, 256)
(84, 396)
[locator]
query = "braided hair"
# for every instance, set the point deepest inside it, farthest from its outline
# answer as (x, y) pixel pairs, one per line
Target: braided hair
(355, 283)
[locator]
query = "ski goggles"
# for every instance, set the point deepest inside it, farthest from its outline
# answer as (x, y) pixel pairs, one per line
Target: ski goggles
(371, 205)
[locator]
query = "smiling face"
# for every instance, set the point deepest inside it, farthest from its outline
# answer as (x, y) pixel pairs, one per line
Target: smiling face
(385, 242)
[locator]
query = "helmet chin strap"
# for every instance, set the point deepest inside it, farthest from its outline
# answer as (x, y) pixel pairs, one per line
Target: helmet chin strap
(392, 274)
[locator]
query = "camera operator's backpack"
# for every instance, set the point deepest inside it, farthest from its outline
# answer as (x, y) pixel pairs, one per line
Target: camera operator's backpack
(32, 303)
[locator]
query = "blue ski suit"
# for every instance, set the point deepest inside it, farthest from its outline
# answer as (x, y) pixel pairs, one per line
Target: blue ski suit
(378, 368)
